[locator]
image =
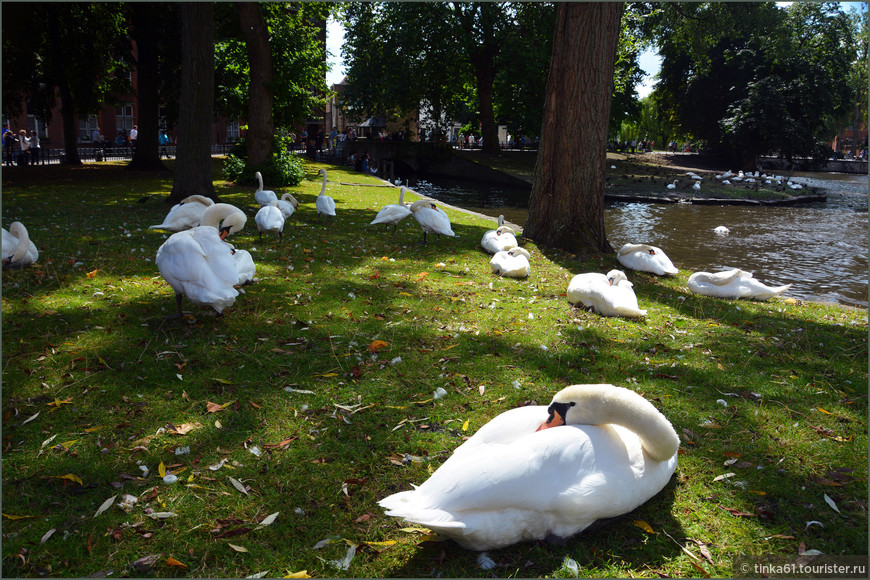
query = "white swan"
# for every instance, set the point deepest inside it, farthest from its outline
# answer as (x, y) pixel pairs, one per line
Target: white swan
(721, 230)
(512, 263)
(431, 218)
(732, 284)
(197, 263)
(270, 219)
(500, 239)
(393, 213)
(244, 265)
(287, 204)
(263, 196)
(185, 214)
(18, 249)
(645, 258)
(596, 452)
(673, 185)
(609, 295)
(325, 204)
(697, 186)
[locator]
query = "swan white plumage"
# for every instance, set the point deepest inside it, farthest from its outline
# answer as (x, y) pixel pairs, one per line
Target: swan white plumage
(287, 204)
(244, 265)
(673, 185)
(431, 218)
(721, 230)
(511, 263)
(18, 249)
(325, 204)
(645, 258)
(393, 213)
(697, 186)
(270, 219)
(500, 239)
(263, 196)
(732, 284)
(197, 263)
(596, 452)
(185, 214)
(609, 295)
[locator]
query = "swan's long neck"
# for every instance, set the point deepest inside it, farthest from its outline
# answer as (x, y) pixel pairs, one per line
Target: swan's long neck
(218, 212)
(608, 404)
(18, 230)
(259, 181)
(323, 187)
(401, 196)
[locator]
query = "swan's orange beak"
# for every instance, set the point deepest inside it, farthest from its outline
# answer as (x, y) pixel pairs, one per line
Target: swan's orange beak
(223, 233)
(554, 420)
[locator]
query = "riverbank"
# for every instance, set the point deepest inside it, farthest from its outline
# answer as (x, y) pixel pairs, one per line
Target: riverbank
(645, 177)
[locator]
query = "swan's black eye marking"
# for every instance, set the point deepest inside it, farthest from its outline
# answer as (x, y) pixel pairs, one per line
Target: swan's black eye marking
(572, 404)
(652, 252)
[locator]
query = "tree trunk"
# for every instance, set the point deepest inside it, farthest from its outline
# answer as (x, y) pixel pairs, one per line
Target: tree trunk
(566, 208)
(67, 106)
(193, 162)
(260, 122)
(146, 156)
(482, 61)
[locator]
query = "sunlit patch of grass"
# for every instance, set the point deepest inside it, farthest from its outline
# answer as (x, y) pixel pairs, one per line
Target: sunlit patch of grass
(290, 371)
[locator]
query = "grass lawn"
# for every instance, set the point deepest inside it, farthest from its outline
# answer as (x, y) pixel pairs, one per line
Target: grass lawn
(312, 396)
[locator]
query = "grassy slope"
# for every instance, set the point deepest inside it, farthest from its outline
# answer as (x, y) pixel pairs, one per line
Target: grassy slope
(93, 375)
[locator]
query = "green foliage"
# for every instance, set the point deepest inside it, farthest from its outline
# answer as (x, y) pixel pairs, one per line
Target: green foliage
(283, 169)
(298, 81)
(755, 78)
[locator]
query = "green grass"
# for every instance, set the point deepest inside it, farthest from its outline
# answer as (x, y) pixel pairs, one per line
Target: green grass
(96, 381)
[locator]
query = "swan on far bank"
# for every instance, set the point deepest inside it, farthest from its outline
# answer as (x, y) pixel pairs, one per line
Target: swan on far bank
(533, 472)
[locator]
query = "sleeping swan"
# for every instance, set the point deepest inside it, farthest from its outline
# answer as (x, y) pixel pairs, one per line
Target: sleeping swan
(18, 250)
(497, 240)
(645, 258)
(597, 451)
(609, 295)
(732, 284)
(511, 263)
(185, 214)
(197, 263)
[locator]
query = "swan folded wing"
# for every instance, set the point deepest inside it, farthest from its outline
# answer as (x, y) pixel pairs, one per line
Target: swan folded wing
(557, 481)
(391, 214)
(200, 266)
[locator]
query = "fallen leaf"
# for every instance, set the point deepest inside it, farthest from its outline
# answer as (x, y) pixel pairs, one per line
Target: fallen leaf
(380, 544)
(31, 418)
(377, 345)
(72, 477)
(831, 503)
(105, 505)
(13, 517)
(47, 535)
(723, 476)
(270, 519)
(214, 407)
(238, 485)
(465, 425)
(237, 548)
(300, 574)
(183, 429)
(92, 274)
(173, 562)
(644, 526)
(160, 515)
(161, 469)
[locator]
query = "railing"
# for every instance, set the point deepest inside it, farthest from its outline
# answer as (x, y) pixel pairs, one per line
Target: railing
(113, 153)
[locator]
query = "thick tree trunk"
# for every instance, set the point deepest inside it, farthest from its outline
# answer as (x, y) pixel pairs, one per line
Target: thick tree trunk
(67, 107)
(260, 123)
(566, 208)
(193, 144)
(484, 70)
(146, 156)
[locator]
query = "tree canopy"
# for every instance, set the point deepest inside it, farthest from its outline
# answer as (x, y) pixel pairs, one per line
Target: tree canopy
(752, 78)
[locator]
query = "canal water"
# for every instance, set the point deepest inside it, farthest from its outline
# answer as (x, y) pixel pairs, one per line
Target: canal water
(820, 248)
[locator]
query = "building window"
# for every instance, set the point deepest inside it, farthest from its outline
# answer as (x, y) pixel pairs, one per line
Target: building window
(124, 119)
(233, 132)
(87, 127)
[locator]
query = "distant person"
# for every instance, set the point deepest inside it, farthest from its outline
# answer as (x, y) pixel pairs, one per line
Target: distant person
(35, 148)
(134, 135)
(23, 146)
(9, 146)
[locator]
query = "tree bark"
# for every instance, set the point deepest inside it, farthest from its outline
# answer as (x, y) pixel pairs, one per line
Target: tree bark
(146, 156)
(566, 208)
(193, 164)
(67, 106)
(260, 123)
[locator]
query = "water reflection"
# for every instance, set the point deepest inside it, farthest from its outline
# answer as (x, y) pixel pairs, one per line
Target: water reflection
(821, 249)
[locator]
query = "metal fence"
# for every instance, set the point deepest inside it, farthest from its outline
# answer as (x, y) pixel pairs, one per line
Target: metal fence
(96, 154)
